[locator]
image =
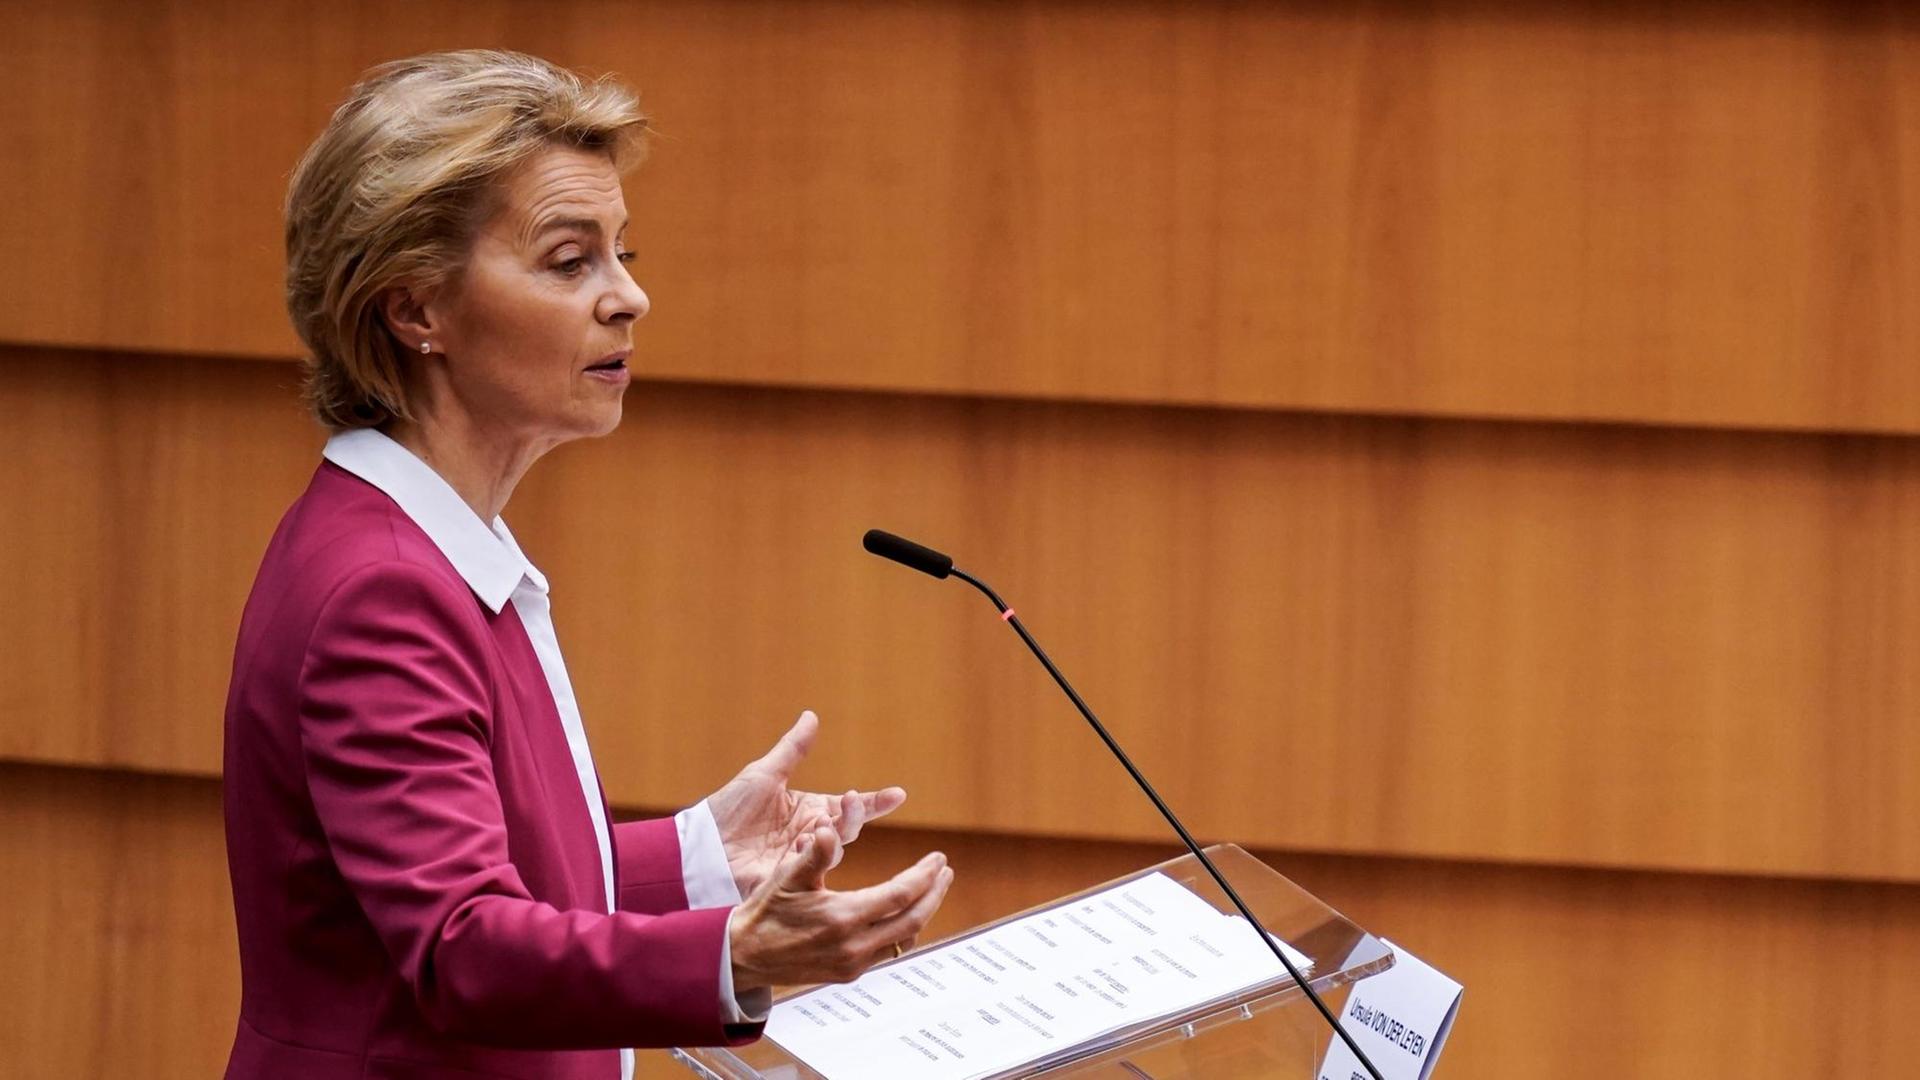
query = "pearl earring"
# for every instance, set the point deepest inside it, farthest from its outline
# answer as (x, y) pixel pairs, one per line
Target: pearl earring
(426, 346)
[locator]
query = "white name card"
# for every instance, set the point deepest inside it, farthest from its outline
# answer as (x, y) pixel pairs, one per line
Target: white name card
(1400, 1017)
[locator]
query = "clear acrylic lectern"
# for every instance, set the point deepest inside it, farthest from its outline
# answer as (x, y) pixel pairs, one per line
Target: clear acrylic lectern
(1271, 1030)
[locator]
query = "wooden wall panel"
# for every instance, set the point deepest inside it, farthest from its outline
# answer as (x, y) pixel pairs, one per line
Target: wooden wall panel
(1550, 644)
(116, 928)
(1571, 974)
(1689, 213)
(139, 496)
(1614, 646)
(118, 939)
(1470, 640)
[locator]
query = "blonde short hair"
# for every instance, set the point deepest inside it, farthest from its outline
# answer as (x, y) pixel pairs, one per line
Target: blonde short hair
(394, 188)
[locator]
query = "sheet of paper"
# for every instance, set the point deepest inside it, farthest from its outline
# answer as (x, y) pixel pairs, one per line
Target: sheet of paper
(1030, 989)
(1400, 1017)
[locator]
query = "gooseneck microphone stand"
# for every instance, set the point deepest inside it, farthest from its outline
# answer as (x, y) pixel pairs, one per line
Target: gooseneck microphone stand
(931, 562)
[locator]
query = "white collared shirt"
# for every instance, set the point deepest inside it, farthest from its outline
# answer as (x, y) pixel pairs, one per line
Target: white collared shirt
(490, 561)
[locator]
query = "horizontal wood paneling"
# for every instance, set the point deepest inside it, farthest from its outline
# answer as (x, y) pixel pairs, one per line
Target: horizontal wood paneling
(117, 926)
(1469, 640)
(1681, 213)
(140, 495)
(1571, 974)
(1530, 643)
(1472, 640)
(119, 942)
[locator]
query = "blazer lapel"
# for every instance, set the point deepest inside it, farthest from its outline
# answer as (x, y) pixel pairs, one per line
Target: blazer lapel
(547, 737)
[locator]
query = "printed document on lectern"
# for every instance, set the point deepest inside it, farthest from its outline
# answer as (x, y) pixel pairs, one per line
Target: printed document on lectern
(1031, 990)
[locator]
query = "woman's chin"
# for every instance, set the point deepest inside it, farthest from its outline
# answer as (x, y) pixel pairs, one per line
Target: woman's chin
(607, 418)
(584, 420)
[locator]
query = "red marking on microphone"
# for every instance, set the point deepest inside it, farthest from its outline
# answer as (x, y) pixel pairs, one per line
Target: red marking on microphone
(1007, 615)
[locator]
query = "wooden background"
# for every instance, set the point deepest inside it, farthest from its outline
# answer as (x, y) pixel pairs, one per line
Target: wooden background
(1465, 449)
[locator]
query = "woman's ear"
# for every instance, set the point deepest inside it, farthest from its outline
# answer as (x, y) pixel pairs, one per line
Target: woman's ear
(407, 318)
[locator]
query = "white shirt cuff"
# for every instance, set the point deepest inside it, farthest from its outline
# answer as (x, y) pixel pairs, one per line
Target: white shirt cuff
(703, 859)
(709, 884)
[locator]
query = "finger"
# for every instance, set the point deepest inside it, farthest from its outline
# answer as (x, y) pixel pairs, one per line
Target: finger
(839, 846)
(878, 804)
(881, 955)
(813, 854)
(812, 824)
(876, 902)
(792, 748)
(789, 871)
(904, 928)
(887, 951)
(894, 950)
(853, 814)
(829, 840)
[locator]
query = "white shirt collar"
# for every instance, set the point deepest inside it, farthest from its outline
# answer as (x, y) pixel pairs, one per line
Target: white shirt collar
(486, 556)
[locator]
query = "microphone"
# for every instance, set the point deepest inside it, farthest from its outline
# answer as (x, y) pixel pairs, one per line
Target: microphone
(928, 561)
(907, 553)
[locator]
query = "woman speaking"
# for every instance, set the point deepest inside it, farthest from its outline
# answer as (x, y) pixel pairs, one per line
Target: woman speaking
(426, 880)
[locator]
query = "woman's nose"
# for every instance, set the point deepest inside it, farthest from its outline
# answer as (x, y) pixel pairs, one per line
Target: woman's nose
(626, 300)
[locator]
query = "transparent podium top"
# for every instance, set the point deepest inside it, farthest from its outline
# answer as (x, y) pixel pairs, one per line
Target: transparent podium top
(1269, 1030)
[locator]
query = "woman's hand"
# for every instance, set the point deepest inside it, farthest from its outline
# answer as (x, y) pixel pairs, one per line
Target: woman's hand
(760, 818)
(793, 929)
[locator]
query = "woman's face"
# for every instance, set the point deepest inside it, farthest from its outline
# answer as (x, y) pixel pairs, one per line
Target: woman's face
(536, 330)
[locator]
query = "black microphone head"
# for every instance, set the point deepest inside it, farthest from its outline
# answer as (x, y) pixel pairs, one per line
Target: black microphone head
(907, 553)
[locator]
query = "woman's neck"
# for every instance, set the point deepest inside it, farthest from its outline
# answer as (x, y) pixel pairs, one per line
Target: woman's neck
(482, 470)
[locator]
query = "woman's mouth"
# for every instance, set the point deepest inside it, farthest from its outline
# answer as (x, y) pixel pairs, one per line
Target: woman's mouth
(612, 369)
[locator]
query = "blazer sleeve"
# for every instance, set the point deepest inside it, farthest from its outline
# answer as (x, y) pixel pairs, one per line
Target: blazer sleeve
(395, 726)
(648, 873)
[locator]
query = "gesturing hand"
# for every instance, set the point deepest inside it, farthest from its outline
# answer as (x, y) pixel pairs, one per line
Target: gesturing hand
(793, 929)
(760, 818)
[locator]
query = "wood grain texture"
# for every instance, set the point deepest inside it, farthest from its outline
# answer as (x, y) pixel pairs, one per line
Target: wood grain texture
(1590, 645)
(1573, 974)
(116, 927)
(1695, 213)
(118, 936)
(141, 495)
(1470, 640)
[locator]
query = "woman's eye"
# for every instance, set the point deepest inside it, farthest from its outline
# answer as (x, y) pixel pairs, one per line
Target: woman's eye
(570, 266)
(625, 256)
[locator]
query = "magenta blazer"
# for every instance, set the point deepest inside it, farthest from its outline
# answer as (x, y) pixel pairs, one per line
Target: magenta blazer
(415, 878)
